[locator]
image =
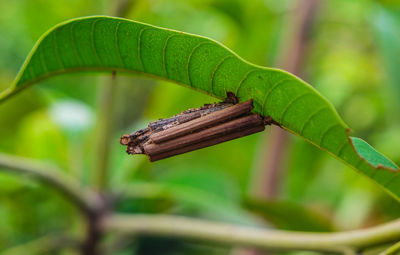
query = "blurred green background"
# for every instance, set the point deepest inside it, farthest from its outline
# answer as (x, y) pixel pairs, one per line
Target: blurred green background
(351, 55)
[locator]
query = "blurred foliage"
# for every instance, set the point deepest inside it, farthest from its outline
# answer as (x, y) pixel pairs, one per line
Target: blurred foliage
(353, 59)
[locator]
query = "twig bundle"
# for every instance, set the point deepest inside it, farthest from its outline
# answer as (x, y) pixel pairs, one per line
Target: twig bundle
(195, 129)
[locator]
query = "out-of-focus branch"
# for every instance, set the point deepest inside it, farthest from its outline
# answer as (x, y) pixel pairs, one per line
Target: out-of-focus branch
(107, 99)
(120, 8)
(82, 197)
(104, 132)
(392, 250)
(46, 244)
(105, 125)
(291, 57)
(294, 49)
(348, 242)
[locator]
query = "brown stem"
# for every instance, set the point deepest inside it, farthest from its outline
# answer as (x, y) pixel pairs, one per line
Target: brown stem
(206, 134)
(93, 233)
(105, 124)
(274, 164)
(185, 132)
(142, 135)
(207, 143)
(199, 123)
(292, 57)
(186, 116)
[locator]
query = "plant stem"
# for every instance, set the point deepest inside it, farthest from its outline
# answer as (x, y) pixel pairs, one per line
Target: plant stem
(347, 242)
(83, 198)
(106, 118)
(290, 59)
(392, 250)
(105, 126)
(100, 167)
(104, 132)
(120, 8)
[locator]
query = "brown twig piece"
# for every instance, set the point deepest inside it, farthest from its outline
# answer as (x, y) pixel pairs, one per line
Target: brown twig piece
(195, 129)
(207, 143)
(199, 123)
(205, 134)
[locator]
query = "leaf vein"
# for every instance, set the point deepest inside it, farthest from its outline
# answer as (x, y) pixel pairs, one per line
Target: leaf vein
(56, 51)
(93, 44)
(74, 47)
(139, 43)
(164, 64)
(32, 72)
(326, 131)
(375, 172)
(312, 115)
(215, 71)
(42, 61)
(117, 48)
(285, 110)
(243, 79)
(271, 89)
(341, 148)
(394, 177)
(190, 59)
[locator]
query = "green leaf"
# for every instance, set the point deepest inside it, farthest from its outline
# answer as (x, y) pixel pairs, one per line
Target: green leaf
(371, 155)
(106, 44)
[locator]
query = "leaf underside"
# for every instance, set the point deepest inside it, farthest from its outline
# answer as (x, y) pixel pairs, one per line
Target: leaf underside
(107, 44)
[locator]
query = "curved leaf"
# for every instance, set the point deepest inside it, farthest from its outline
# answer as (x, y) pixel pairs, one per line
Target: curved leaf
(119, 45)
